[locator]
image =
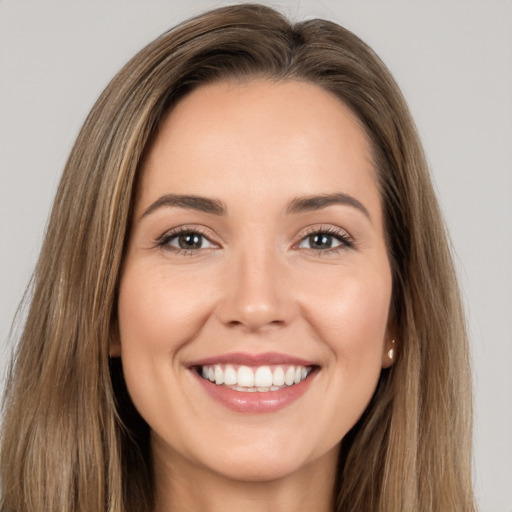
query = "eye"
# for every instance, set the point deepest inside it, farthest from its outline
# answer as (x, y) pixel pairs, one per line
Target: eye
(189, 241)
(326, 240)
(185, 241)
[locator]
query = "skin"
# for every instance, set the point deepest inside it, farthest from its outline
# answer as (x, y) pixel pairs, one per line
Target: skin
(255, 285)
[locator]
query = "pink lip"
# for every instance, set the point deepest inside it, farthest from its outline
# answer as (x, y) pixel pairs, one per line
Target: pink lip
(253, 402)
(257, 402)
(241, 358)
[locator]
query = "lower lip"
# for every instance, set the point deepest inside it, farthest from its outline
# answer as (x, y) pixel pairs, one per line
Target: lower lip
(257, 402)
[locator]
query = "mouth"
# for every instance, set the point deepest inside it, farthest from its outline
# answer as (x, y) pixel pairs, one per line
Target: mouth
(254, 383)
(260, 379)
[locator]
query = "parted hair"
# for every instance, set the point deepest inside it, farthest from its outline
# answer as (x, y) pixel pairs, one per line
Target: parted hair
(71, 440)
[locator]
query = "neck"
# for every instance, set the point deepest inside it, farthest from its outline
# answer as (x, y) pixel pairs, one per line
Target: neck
(184, 487)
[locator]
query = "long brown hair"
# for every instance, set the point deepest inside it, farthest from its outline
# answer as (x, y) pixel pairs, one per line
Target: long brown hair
(71, 439)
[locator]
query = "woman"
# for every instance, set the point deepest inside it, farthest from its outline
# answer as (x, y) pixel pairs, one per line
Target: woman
(253, 303)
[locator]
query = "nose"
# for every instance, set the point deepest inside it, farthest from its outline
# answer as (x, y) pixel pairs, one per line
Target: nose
(256, 293)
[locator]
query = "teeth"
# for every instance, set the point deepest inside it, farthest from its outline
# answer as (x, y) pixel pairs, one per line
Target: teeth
(245, 377)
(261, 379)
(289, 376)
(278, 377)
(230, 376)
(219, 375)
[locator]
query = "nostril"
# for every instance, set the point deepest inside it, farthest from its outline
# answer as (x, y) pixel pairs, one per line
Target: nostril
(254, 325)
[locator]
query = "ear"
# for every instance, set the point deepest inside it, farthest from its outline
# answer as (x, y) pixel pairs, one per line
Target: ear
(390, 346)
(115, 348)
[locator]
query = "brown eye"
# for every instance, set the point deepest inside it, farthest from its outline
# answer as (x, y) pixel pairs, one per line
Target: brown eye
(320, 241)
(326, 240)
(190, 241)
(186, 241)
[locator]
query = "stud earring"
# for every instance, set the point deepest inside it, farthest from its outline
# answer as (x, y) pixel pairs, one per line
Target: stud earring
(391, 351)
(114, 351)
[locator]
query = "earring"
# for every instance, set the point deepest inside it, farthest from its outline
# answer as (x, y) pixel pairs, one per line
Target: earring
(391, 351)
(114, 350)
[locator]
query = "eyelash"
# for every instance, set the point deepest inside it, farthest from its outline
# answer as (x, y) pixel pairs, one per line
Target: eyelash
(346, 241)
(164, 240)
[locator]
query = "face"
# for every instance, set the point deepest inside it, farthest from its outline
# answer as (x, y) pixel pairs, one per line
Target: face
(255, 292)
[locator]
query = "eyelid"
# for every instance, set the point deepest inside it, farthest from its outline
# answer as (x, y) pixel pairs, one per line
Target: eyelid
(163, 240)
(343, 236)
(347, 241)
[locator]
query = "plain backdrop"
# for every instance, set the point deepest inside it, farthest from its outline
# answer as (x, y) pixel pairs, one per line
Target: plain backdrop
(453, 60)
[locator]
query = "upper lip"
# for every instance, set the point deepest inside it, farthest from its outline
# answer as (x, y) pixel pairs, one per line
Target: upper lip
(242, 358)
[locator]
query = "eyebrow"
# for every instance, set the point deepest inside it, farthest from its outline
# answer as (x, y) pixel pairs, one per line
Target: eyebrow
(317, 202)
(199, 203)
(217, 207)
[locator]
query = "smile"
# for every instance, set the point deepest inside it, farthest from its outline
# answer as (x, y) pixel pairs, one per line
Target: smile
(254, 383)
(254, 379)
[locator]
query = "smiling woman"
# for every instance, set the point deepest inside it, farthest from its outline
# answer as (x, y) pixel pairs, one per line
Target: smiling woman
(247, 228)
(284, 291)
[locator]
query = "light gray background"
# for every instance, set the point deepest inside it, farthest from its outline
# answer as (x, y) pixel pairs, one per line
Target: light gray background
(453, 60)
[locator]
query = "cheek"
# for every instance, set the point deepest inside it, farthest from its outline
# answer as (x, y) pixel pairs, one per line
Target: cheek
(350, 316)
(351, 319)
(159, 311)
(350, 309)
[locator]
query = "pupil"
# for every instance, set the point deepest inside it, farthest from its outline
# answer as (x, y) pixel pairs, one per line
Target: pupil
(320, 241)
(190, 241)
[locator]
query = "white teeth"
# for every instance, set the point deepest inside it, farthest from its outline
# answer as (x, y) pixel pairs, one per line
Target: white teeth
(230, 376)
(240, 388)
(261, 379)
(289, 376)
(219, 375)
(278, 377)
(245, 377)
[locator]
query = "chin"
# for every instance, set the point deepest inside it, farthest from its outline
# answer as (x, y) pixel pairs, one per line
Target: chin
(259, 468)
(265, 458)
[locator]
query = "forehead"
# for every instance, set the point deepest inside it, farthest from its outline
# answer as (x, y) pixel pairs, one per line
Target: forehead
(262, 137)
